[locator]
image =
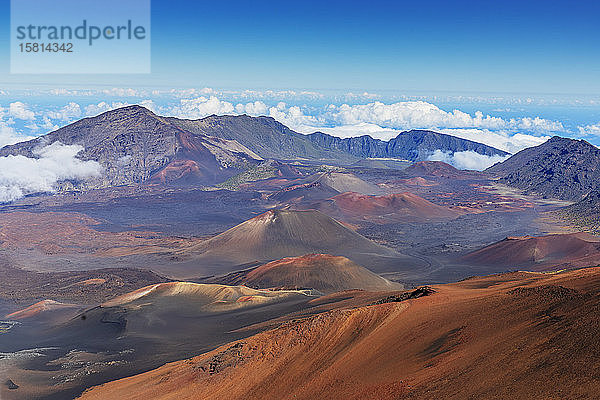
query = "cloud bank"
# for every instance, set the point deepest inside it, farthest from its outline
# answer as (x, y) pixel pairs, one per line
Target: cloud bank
(20, 175)
(467, 159)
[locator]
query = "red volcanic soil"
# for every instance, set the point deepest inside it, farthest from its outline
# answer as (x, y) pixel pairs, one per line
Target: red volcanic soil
(176, 171)
(401, 207)
(540, 253)
(511, 336)
(200, 160)
(323, 272)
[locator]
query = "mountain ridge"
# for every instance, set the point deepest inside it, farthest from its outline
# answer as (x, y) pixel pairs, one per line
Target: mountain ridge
(561, 168)
(412, 145)
(134, 145)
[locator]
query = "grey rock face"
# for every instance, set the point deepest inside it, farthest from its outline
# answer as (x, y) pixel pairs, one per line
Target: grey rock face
(414, 145)
(264, 136)
(561, 168)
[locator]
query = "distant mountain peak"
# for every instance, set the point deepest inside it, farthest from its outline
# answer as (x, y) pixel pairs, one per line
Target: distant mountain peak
(560, 168)
(412, 145)
(134, 145)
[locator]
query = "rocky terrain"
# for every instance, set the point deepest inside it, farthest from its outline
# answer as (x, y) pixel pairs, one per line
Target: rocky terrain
(54, 351)
(21, 286)
(560, 168)
(296, 266)
(134, 145)
(263, 136)
(585, 214)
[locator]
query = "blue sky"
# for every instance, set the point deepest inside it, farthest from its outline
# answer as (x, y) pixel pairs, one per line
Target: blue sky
(456, 46)
(509, 73)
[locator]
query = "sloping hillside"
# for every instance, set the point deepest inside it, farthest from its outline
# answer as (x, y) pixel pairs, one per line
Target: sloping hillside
(277, 234)
(322, 272)
(498, 337)
(560, 168)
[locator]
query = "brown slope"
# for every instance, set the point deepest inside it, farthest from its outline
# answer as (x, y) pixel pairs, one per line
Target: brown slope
(199, 297)
(323, 272)
(276, 234)
(540, 253)
(42, 308)
(498, 337)
(399, 207)
(262, 135)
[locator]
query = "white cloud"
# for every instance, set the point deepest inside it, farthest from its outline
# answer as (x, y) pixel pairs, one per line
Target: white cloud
(20, 110)
(503, 140)
(256, 108)
(537, 124)
(95, 109)
(382, 121)
(423, 115)
(363, 95)
(185, 93)
(589, 130)
(346, 131)
(123, 92)
(20, 175)
(48, 125)
(8, 135)
(201, 107)
(466, 159)
(67, 113)
(275, 94)
(149, 104)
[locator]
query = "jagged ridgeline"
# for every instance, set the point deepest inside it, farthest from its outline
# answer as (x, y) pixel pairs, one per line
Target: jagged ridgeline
(134, 145)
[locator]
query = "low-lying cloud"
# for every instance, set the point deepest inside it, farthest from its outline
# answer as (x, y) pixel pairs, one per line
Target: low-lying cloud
(467, 159)
(590, 130)
(20, 175)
